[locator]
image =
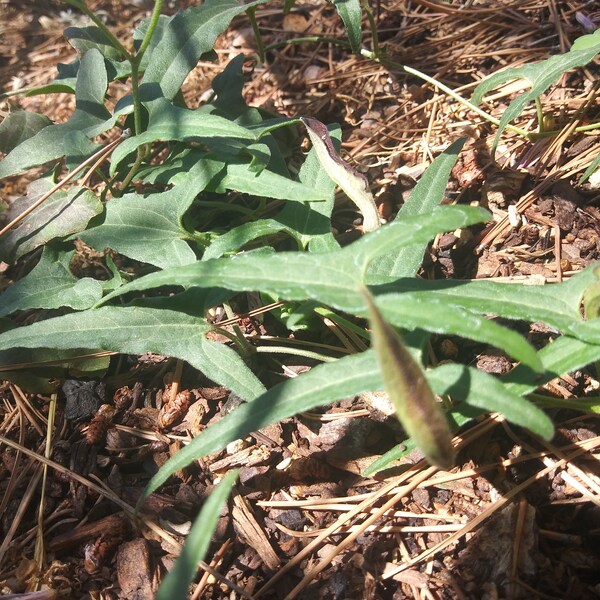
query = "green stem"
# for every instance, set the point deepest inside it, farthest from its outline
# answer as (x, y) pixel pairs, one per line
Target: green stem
(158, 4)
(373, 27)
(136, 61)
(540, 115)
(591, 405)
(79, 4)
(246, 348)
(134, 167)
(311, 39)
(295, 352)
(251, 12)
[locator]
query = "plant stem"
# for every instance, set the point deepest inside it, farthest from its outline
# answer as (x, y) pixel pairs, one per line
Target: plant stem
(311, 39)
(295, 352)
(590, 405)
(373, 27)
(251, 12)
(136, 61)
(540, 115)
(158, 4)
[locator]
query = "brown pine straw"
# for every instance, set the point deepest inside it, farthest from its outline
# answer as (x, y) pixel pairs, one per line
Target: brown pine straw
(592, 496)
(109, 495)
(584, 447)
(416, 471)
(422, 479)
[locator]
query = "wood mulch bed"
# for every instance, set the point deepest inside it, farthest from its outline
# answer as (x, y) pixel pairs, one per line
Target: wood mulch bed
(516, 518)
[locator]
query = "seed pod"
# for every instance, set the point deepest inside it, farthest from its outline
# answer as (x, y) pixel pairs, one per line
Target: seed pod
(353, 183)
(404, 379)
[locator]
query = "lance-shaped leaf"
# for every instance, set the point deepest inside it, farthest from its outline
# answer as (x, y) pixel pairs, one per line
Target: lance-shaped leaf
(150, 228)
(60, 215)
(351, 14)
(353, 183)
(71, 138)
(51, 285)
(425, 197)
(176, 583)
(540, 75)
(86, 38)
(331, 278)
(405, 382)
(135, 330)
(187, 36)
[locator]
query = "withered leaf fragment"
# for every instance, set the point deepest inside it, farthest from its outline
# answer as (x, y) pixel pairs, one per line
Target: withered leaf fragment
(414, 402)
(353, 183)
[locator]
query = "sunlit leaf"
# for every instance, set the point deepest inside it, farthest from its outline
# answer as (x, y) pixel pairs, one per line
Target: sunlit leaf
(540, 76)
(135, 330)
(425, 197)
(187, 36)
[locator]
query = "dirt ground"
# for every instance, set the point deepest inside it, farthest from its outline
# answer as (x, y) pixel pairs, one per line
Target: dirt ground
(517, 518)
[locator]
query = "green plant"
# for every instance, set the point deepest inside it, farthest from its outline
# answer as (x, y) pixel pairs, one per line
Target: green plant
(201, 197)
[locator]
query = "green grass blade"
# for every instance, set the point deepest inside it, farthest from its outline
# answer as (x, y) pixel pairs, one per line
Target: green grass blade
(175, 585)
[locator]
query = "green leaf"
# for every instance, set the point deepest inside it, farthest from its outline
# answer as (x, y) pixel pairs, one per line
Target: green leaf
(557, 305)
(241, 178)
(51, 285)
(424, 198)
(175, 585)
(19, 126)
(71, 138)
(135, 330)
(60, 215)
(481, 390)
(310, 223)
(237, 237)
(187, 36)
(332, 278)
(65, 81)
(86, 38)
(149, 228)
(437, 316)
(540, 76)
(174, 123)
(588, 331)
(140, 32)
(416, 407)
(326, 383)
(588, 172)
(351, 13)
(563, 355)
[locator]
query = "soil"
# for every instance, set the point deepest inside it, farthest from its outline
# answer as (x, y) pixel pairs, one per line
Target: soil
(516, 518)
